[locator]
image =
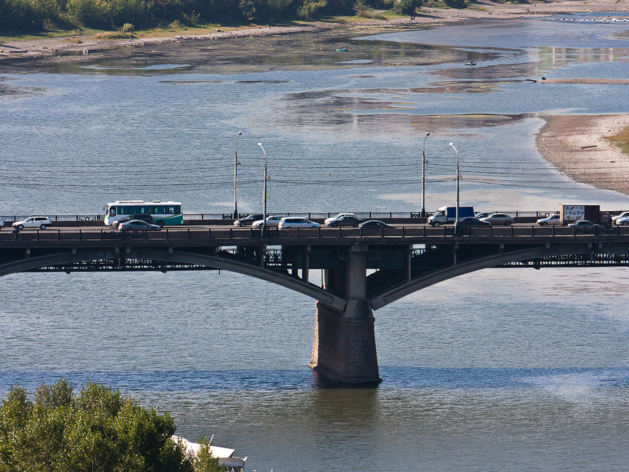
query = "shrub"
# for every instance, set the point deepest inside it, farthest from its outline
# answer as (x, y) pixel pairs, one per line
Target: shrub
(99, 429)
(455, 3)
(312, 9)
(127, 28)
(407, 7)
(175, 25)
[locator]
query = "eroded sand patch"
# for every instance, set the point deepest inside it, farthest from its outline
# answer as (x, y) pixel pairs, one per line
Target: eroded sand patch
(577, 146)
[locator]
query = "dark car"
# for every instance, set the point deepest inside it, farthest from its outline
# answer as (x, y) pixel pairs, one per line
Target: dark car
(465, 225)
(473, 221)
(375, 224)
(582, 224)
(343, 220)
(248, 220)
(138, 225)
(142, 217)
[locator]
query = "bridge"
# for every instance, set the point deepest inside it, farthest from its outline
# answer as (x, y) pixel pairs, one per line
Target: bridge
(363, 269)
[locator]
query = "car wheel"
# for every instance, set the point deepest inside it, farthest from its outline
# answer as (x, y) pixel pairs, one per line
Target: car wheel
(436, 224)
(43, 226)
(20, 227)
(543, 223)
(160, 223)
(625, 223)
(507, 223)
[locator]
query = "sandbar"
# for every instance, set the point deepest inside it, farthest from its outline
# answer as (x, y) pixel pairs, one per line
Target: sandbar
(577, 146)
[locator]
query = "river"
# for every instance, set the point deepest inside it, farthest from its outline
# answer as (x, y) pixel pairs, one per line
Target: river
(505, 369)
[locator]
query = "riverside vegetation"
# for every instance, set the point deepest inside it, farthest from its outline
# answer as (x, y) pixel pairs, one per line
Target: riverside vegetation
(99, 430)
(35, 16)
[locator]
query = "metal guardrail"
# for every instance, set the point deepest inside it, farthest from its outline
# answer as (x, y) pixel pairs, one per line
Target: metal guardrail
(238, 235)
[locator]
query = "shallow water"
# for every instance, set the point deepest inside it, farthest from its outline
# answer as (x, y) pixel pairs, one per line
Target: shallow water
(505, 369)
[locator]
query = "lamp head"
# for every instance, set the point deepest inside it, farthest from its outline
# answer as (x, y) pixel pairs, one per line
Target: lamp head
(428, 134)
(239, 134)
(260, 144)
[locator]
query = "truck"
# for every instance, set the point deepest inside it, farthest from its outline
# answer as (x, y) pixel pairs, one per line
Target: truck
(593, 213)
(448, 215)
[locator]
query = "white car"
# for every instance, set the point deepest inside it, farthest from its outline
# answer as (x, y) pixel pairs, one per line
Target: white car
(622, 221)
(292, 222)
(40, 222)
(271, 222)
(553, 219)
(624, 214)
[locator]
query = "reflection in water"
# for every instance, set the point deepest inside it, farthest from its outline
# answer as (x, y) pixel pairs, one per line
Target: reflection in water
(303, 51)
(9, 90)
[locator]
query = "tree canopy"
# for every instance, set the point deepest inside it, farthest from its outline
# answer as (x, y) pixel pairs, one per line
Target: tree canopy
(39, 15)
(97, 430)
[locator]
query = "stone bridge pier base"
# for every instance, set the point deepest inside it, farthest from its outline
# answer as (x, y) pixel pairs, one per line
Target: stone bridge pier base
(344, 347)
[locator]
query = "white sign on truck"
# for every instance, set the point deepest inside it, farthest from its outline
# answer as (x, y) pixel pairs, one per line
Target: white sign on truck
(573, 212)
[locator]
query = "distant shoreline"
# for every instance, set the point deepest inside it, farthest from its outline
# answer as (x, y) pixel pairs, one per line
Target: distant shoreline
(38, 48)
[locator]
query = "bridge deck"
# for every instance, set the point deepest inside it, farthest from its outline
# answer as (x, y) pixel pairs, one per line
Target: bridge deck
(323, 236)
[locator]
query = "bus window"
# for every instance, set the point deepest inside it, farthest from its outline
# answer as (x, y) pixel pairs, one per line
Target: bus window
(112, 211)
(177, 209)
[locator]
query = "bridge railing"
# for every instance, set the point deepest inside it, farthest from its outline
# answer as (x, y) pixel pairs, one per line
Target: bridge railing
(248, 234)
(366, 215)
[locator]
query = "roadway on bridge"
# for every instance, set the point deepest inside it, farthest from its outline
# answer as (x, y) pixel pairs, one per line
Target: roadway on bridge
(103, 227)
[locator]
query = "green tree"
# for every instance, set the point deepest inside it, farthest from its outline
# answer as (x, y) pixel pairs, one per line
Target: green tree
(99, 429)
(407, 7)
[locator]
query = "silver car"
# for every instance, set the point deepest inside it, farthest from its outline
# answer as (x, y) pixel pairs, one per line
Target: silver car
(271, 222)
(499, 219)
(297, 222)
(553, 219)
(138, 225)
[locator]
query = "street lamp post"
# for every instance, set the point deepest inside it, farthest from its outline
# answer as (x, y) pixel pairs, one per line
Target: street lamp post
(236, 164)
(456, 219)
(264, 191)
(424, 176)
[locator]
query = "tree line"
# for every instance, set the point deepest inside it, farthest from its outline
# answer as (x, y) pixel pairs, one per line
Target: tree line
(97, 430)
(39, 15)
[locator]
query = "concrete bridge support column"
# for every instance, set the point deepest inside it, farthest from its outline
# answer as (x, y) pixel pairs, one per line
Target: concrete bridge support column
(344, 347)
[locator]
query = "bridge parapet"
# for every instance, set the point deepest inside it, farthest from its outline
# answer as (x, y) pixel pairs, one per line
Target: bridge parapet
(334, 236)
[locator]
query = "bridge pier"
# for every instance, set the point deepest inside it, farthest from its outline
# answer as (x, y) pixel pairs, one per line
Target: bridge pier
(344, 346)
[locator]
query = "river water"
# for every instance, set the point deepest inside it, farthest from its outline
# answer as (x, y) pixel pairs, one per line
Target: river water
(505, 369)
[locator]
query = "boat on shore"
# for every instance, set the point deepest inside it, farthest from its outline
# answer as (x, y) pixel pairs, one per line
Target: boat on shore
(341, 49)
(224, 455)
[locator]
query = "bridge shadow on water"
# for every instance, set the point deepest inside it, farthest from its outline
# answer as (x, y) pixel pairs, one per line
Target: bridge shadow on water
(277, 380)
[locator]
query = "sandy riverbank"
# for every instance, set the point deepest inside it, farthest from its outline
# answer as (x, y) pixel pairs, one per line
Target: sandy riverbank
(577, 146)
(486, 9)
